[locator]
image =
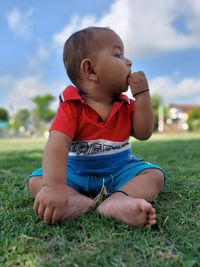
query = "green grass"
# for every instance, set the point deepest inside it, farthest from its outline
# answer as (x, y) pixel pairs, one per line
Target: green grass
(94, 241)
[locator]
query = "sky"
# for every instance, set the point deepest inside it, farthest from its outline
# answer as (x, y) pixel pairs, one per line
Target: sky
(162, 38)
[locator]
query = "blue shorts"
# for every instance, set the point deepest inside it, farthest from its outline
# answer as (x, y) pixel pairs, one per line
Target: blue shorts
(91, 185)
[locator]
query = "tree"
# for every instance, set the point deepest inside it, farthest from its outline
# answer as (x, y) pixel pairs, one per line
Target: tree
(43, 113)
(21, 119)
(194, 119)
(4, 116)
(157, 102)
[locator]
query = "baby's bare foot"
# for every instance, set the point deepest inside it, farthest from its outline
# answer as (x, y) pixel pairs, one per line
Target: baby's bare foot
(133, 211)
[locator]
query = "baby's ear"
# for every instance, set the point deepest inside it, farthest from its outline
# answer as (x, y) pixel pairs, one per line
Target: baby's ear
(87, 69)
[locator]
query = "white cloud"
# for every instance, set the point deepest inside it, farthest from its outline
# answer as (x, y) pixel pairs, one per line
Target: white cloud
(20, 22)
(186, 90)
(20, 91)
(146, 27)
(75, 24)
(191, 10)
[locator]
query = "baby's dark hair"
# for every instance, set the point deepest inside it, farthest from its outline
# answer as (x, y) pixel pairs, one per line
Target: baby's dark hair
(80, 45)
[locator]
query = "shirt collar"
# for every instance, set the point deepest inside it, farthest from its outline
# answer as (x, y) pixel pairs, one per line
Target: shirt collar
(71, 93)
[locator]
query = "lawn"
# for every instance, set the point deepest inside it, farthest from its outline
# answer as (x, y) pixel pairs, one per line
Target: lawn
(94, 241)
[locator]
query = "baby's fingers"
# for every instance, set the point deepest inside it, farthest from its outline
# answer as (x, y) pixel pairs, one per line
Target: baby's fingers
(40, 211)
(57, 215)
(48, 215)
(36, 206)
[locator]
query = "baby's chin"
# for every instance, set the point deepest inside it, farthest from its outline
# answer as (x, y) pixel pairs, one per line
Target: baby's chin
(125, 88)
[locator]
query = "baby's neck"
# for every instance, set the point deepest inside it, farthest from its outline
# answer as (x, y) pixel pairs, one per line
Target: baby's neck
(106, 100)
(101, 105)
(93, 93)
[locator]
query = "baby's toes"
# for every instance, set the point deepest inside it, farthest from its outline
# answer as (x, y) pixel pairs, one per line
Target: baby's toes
(151, 216)
(151, 219)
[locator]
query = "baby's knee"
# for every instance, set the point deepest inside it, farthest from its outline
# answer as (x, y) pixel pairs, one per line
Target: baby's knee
(159, 178)
(35, 185)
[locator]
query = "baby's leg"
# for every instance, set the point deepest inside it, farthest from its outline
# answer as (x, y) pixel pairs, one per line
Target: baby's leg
(135, 209)
(77, 203)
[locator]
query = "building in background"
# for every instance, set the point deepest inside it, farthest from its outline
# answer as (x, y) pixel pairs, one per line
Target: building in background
(178, 116)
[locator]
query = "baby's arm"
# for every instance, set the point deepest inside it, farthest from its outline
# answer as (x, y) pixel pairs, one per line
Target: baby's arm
(143, 113)
(52, 198)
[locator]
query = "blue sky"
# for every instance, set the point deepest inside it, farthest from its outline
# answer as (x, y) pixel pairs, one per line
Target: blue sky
(162, 38)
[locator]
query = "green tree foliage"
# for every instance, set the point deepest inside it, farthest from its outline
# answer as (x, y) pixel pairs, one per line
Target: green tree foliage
(43, 113)
(194, 119)
(157, 101)
(4, 116)
(21, 118)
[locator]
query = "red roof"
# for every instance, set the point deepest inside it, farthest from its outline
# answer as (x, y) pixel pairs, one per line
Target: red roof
(184, 107)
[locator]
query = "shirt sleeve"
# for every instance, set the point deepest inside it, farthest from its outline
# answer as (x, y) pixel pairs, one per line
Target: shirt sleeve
(66, 118)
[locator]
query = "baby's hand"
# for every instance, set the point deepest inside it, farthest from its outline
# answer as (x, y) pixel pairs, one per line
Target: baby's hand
(50, 203)
(137, 82)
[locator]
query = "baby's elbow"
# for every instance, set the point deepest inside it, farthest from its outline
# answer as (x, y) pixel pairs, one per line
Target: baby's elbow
(143, 136)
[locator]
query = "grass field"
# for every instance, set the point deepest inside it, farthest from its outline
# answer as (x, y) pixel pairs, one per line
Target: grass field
(94, 241)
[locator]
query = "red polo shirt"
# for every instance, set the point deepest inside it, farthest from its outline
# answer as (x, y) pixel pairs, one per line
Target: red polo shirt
(97, 146)
(81, 122)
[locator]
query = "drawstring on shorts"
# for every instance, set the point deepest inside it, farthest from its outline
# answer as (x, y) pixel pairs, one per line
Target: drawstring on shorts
(103, 194)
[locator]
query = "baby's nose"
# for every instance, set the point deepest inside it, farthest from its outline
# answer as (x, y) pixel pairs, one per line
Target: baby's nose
(129, 62)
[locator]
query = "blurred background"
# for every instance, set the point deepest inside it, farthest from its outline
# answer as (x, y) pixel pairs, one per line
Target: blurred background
(162, 38)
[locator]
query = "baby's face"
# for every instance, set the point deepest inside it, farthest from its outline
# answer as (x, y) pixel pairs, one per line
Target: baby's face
(111, 65)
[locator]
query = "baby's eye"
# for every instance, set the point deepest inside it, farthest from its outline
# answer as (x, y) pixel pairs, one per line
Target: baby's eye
(118, 55)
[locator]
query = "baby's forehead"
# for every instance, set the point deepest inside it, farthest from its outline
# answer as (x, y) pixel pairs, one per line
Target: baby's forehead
(105, 37)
